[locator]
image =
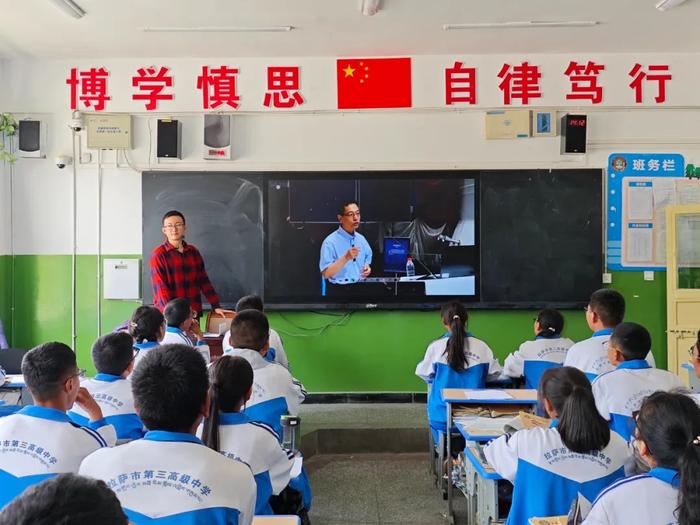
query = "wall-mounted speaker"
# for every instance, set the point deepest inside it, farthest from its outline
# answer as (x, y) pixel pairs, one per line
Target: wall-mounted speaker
(169, 139)
(217, 137)
(31, 138)
(573, 133)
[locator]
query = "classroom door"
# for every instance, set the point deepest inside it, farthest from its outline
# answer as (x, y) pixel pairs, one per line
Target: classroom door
(682, 282)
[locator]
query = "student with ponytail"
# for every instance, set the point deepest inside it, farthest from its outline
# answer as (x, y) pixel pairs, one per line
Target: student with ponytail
(667, 438)
(458, 361)
(550, 466)
(548, 350)
(147, 327)
(229, 431)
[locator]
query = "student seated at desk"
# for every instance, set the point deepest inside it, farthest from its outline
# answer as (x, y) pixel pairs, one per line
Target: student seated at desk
(40, 441)
(147, 327)
(182, 327)
(113, 356)
(694, 360)
(67, 499)
(620, 393)
(548, 350)
(276, 351)
(667, 438)
(458, 361)
(229, 431)
(170, 476)
(550, 466)
(605, 310)
(275, 391)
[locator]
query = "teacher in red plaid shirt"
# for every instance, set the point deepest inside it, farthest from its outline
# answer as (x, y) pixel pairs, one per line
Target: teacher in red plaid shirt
(177, 269)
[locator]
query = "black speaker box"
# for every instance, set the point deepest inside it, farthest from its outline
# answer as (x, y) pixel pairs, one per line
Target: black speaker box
(30, 138)
(573, 133)
(169, 139)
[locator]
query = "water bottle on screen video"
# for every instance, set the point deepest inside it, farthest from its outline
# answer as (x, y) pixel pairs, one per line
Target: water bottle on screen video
(410, 267)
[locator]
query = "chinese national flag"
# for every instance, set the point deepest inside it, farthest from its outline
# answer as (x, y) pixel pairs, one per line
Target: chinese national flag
(374, 83)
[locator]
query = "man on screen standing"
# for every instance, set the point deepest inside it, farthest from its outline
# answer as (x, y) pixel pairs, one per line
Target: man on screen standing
(345, 254)
(177, 269)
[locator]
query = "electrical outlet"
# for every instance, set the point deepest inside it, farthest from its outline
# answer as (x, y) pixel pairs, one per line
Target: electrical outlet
(648, 276)
(607, 278)
(86, 158)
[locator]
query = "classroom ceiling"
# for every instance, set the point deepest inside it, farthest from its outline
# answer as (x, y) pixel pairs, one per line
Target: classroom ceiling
(114, 28)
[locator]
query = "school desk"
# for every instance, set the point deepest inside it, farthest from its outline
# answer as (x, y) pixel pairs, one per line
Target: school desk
(15, 383)
(502, 398)
(276, 520)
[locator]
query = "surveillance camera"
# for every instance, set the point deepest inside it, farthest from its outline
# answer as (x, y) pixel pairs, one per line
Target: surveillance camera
(76, 124)
(63, 160)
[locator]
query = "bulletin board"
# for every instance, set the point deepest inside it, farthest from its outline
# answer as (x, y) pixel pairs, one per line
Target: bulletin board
(640, 186)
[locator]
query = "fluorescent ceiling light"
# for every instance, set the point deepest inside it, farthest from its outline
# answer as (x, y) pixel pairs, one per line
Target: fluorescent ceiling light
(70, 8)
(215, 29)
(527, 23)
(665, 5)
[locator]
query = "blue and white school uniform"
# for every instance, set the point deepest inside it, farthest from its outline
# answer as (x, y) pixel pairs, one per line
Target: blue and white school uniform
(257, 445)
(275, 391)
(37, 443)
(337, 245)
(142, 349)
(113, 394)
(433, 369)
(547, 475)
(173, 478)
(275, 352)
(648, 498)
(621, 392)
(173, 335)
(532, 358)
(591, 355)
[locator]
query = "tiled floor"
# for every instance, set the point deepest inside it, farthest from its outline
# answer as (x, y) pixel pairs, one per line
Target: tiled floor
(364, 489)
(373, 489)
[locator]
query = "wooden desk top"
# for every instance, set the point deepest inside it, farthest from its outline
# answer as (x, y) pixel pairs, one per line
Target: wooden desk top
(276, 520)
(462, 395)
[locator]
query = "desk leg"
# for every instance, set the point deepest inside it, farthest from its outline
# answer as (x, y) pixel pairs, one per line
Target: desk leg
(448, 461)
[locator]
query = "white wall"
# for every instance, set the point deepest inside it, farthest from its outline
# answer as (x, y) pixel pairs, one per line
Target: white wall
(4, 175)
(318, 139)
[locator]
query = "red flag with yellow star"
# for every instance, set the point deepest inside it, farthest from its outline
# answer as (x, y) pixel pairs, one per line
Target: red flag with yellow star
(365, 83)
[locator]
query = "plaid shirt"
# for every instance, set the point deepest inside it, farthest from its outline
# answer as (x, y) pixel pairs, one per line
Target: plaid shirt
(176, 274)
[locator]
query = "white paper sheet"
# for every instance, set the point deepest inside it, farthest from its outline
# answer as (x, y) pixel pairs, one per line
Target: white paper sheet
(640, 205)
(640, 244)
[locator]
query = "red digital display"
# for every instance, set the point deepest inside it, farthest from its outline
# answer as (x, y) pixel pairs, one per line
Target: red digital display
(578, 122)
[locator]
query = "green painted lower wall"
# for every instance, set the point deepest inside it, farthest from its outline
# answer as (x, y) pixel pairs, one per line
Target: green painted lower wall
(332, 352)
(6, 293)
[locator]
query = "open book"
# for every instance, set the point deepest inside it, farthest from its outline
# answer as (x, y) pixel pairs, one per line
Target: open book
(495, 422)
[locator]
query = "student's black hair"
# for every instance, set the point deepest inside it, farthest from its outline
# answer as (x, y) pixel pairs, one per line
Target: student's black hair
(173, 213)
(633, 340)
(249, 302)
(177, 311)
(250, 329)
(146, 323)
(67, 499)
(46, 367)
(669, 424)
(230, 378)
(581, 427)
(112, 353)
(344, 204)
(455, 316)
(609, 305)
(551, 323)
(170, 386)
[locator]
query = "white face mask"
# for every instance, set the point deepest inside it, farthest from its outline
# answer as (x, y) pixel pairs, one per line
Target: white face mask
(640, 466)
